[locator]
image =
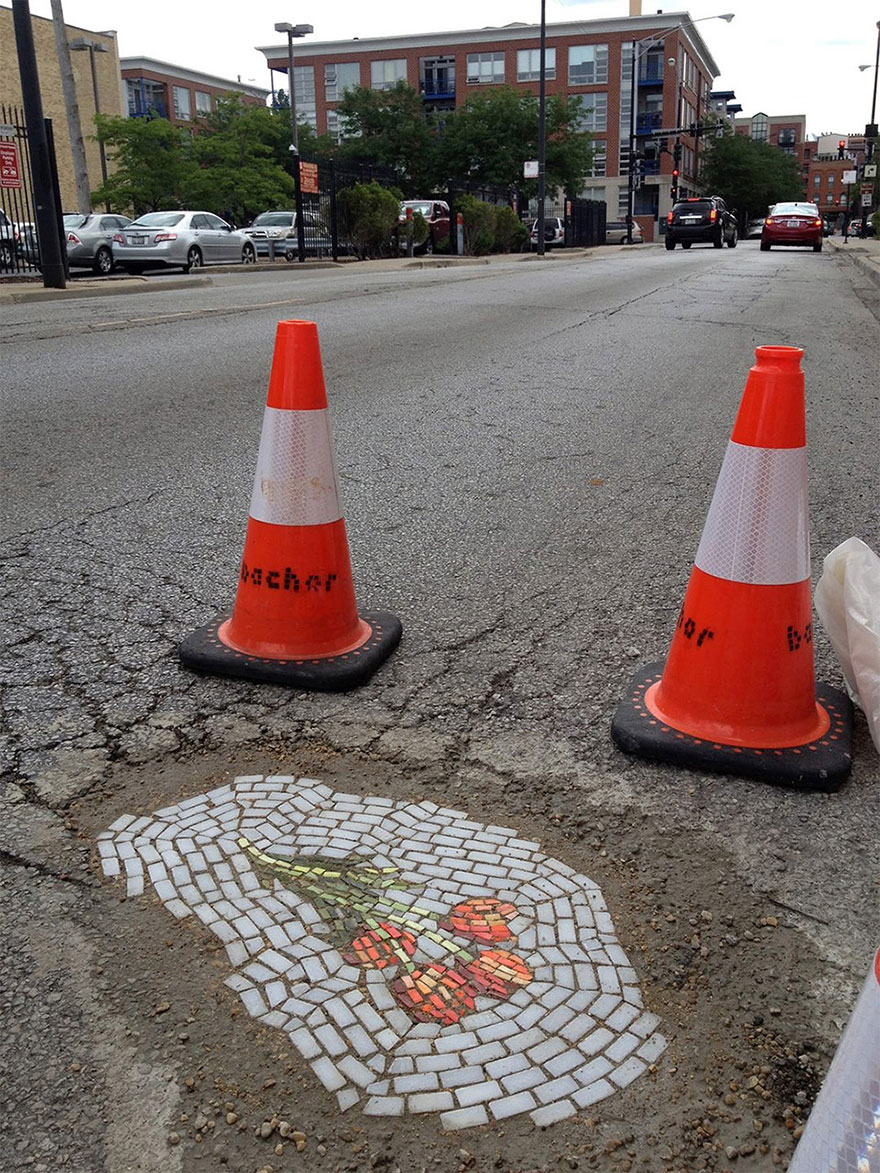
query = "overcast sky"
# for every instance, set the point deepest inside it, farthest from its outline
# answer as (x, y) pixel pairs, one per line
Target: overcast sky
(779, 58)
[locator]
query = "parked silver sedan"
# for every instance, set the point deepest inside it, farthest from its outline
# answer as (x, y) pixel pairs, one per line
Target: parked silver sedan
(89, 239)
(185, 239)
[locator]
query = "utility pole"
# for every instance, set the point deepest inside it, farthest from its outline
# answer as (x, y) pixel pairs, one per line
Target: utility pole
(48, 228)
(74, 125)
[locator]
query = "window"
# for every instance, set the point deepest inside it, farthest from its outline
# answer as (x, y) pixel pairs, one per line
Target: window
(787, 138)
(485, 69)
(385, 74)
(304, 93)
(181, 104)
(597, 192)
(338, 79)
(817, 181)
(203, 103)
(337, 126)
(587, 65)
(528, 64)
(761, 128)
(599, 159)
(594, 112)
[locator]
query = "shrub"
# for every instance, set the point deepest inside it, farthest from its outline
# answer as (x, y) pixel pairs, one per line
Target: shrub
(479, 225)
(510, 233)
(368, 216)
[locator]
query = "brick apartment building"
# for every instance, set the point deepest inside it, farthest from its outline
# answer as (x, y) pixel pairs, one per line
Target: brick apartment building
(156, 89)
(825, 178)
(786, 131)
(54, 107)
(591, 59)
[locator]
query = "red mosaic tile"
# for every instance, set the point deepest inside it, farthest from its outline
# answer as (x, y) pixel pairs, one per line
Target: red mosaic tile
(483, 919)
(379, 947)
(434, 994)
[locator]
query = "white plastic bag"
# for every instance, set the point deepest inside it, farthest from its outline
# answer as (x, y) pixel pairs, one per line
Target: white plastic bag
(848, 603)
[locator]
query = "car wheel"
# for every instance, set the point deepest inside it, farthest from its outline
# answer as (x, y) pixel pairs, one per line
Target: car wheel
(670, 244)
(765, 247)
(429, 246)
(718, 241)
(248, 256)
(193, 260)
(686, 243)
(7, 256)
(817, 248)
(732, 242)
(103, 262)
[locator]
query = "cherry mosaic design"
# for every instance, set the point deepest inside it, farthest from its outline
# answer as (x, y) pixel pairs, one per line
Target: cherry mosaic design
(418, 960)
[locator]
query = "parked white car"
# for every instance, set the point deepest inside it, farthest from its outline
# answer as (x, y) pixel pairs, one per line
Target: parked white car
(185, 239)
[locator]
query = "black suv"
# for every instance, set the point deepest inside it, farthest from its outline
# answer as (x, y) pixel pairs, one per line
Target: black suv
(704, 219)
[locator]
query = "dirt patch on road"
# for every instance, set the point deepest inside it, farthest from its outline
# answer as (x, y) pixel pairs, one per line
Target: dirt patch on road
(726, 971)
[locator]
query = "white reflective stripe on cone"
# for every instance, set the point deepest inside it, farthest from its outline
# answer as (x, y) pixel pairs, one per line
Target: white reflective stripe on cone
(758, 530)
(843, 1132)
(296, 482)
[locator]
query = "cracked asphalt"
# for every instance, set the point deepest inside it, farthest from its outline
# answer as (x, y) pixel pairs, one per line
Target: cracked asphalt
(527, 451)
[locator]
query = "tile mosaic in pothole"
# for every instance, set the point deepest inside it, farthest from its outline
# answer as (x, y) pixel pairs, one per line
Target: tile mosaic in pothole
(418, 960)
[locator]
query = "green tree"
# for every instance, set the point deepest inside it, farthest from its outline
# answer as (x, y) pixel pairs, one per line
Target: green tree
(749, 175)
(237, 173)
(150, 164)
(488, 139)
(391, 128)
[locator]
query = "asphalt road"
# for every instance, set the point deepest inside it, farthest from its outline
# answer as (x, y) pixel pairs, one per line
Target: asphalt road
(527, 451)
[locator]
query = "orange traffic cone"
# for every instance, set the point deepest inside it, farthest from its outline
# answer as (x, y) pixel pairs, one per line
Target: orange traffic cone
(737, 693)
(843, 1131)
(295, 620)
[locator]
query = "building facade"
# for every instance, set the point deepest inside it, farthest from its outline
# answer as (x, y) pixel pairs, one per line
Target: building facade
(156, 89)
(788, 132)
(105, 81)
(589, 59)
(831, 165)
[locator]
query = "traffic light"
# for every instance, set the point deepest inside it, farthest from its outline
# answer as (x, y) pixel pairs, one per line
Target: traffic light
(673, 191)
(841, 143)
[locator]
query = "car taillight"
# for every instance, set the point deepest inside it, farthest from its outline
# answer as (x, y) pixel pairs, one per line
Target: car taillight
(668, 217)
(164, 236)
(817, 223)
(72, 238)
(769, 220)
(119, 238)
(712, 215)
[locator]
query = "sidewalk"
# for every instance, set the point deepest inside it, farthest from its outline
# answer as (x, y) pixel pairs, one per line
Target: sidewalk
(865, 254)
(27, 289)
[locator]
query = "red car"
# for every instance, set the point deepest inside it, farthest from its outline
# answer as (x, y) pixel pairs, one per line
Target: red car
(792, 224)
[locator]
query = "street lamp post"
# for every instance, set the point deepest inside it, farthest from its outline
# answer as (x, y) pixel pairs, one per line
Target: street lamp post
(639, 49)
(292, 30)
(542, 129)
(93, 47)
(871, 128)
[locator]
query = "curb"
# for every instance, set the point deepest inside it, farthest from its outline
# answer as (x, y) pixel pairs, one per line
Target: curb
(864, 257)
(108, 285)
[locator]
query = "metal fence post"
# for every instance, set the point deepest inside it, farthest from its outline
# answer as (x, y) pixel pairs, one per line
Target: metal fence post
(334, 227)
(300, 219)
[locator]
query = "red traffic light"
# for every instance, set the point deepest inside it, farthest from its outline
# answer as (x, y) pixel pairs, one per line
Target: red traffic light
(675, 173)
(841, 142)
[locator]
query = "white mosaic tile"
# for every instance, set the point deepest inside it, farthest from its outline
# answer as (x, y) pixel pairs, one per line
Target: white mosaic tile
(413, 956)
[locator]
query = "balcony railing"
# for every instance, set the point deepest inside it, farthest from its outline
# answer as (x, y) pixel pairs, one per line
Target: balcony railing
(139, 109)
(436, 88)
(647, 122)
(650, 73)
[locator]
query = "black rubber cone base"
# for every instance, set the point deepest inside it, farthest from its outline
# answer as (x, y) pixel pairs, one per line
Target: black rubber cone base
(204, 651)
(819, 765)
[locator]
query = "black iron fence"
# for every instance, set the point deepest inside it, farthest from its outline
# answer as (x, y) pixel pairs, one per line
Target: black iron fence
(19, 248)
(585, 223)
